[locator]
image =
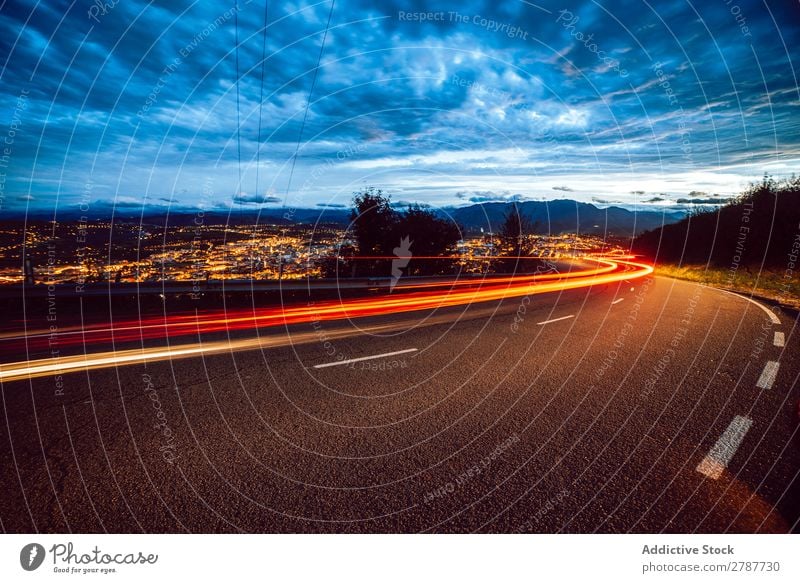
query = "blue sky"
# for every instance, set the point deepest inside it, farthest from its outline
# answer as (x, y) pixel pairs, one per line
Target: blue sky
(446, 103)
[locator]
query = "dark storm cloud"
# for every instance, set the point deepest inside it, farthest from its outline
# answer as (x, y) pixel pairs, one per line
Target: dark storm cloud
(244, 198)
(709, 200)
(138, 98)
(494, 197)
(408, 203)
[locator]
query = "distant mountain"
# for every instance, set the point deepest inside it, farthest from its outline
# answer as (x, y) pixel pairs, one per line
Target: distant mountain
(182, 216)
(563, 216)
(552, 217)
(759, 229)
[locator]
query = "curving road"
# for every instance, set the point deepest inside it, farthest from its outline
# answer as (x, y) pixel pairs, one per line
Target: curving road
(642, 405)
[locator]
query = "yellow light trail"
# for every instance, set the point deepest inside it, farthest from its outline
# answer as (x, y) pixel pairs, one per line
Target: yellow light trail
(621, 269)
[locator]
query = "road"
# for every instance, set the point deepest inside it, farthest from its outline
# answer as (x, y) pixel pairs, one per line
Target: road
(649, 405)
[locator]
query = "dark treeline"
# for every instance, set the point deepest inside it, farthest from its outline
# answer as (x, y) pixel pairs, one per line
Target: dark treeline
(515, 243)
(417, 241)
(760, 226)
(412, 237)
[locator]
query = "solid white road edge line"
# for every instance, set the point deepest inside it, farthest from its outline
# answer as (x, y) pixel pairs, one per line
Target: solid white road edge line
(327, 364)
(723, 451)
(773, 318)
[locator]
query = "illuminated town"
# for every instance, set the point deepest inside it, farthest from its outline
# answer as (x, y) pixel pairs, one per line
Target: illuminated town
(82, 252)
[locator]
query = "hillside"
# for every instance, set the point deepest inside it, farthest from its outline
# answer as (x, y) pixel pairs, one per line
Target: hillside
(757, 229)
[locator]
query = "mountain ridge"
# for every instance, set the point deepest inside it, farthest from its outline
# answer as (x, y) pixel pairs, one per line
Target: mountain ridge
(553, 217)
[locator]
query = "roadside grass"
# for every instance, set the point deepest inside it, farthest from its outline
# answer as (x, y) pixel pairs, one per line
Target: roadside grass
(770, 284)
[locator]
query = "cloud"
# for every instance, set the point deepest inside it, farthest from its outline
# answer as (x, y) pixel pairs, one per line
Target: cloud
(121, 203)
(563, 188)
(486, 194)
(244, 198)
(710, 200)
(331, 205)
(129, 204)
(398, 103)
(511, 198)
(656, 199)
(408, 203)
(480, 196)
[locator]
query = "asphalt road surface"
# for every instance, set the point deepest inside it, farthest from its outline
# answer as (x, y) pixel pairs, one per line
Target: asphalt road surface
(647, 406)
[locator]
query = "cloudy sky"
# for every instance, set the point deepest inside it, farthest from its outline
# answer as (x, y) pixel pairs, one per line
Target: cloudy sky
(651, 103)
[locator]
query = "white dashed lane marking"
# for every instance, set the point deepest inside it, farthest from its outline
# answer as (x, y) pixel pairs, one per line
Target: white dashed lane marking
(723, 451)
(617, 301)
(767, 378)
(339, 362)
(555, 320)
(779, 340)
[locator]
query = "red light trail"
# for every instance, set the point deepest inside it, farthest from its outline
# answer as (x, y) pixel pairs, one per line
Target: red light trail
(426, 296)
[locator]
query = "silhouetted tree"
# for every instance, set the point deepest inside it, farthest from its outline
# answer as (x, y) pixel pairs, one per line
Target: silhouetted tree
(379, 229)
(430, 236)
(374, 225)
(514, 242)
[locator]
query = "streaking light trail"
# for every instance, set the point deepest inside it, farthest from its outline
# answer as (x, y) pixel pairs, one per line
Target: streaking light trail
(456, 293)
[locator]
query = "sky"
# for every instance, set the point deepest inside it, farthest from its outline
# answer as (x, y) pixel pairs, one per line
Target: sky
(132, 104)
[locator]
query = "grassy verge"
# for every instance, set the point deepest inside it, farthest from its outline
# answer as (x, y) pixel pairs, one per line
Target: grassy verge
(770, 284)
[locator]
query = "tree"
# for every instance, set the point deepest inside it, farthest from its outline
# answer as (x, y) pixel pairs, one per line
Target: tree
(514, 242)
(374, 225)
(378, 229)
(430, 236)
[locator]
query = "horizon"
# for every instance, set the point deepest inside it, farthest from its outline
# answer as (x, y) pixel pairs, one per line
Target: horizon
(448, 107)
(100, 210)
